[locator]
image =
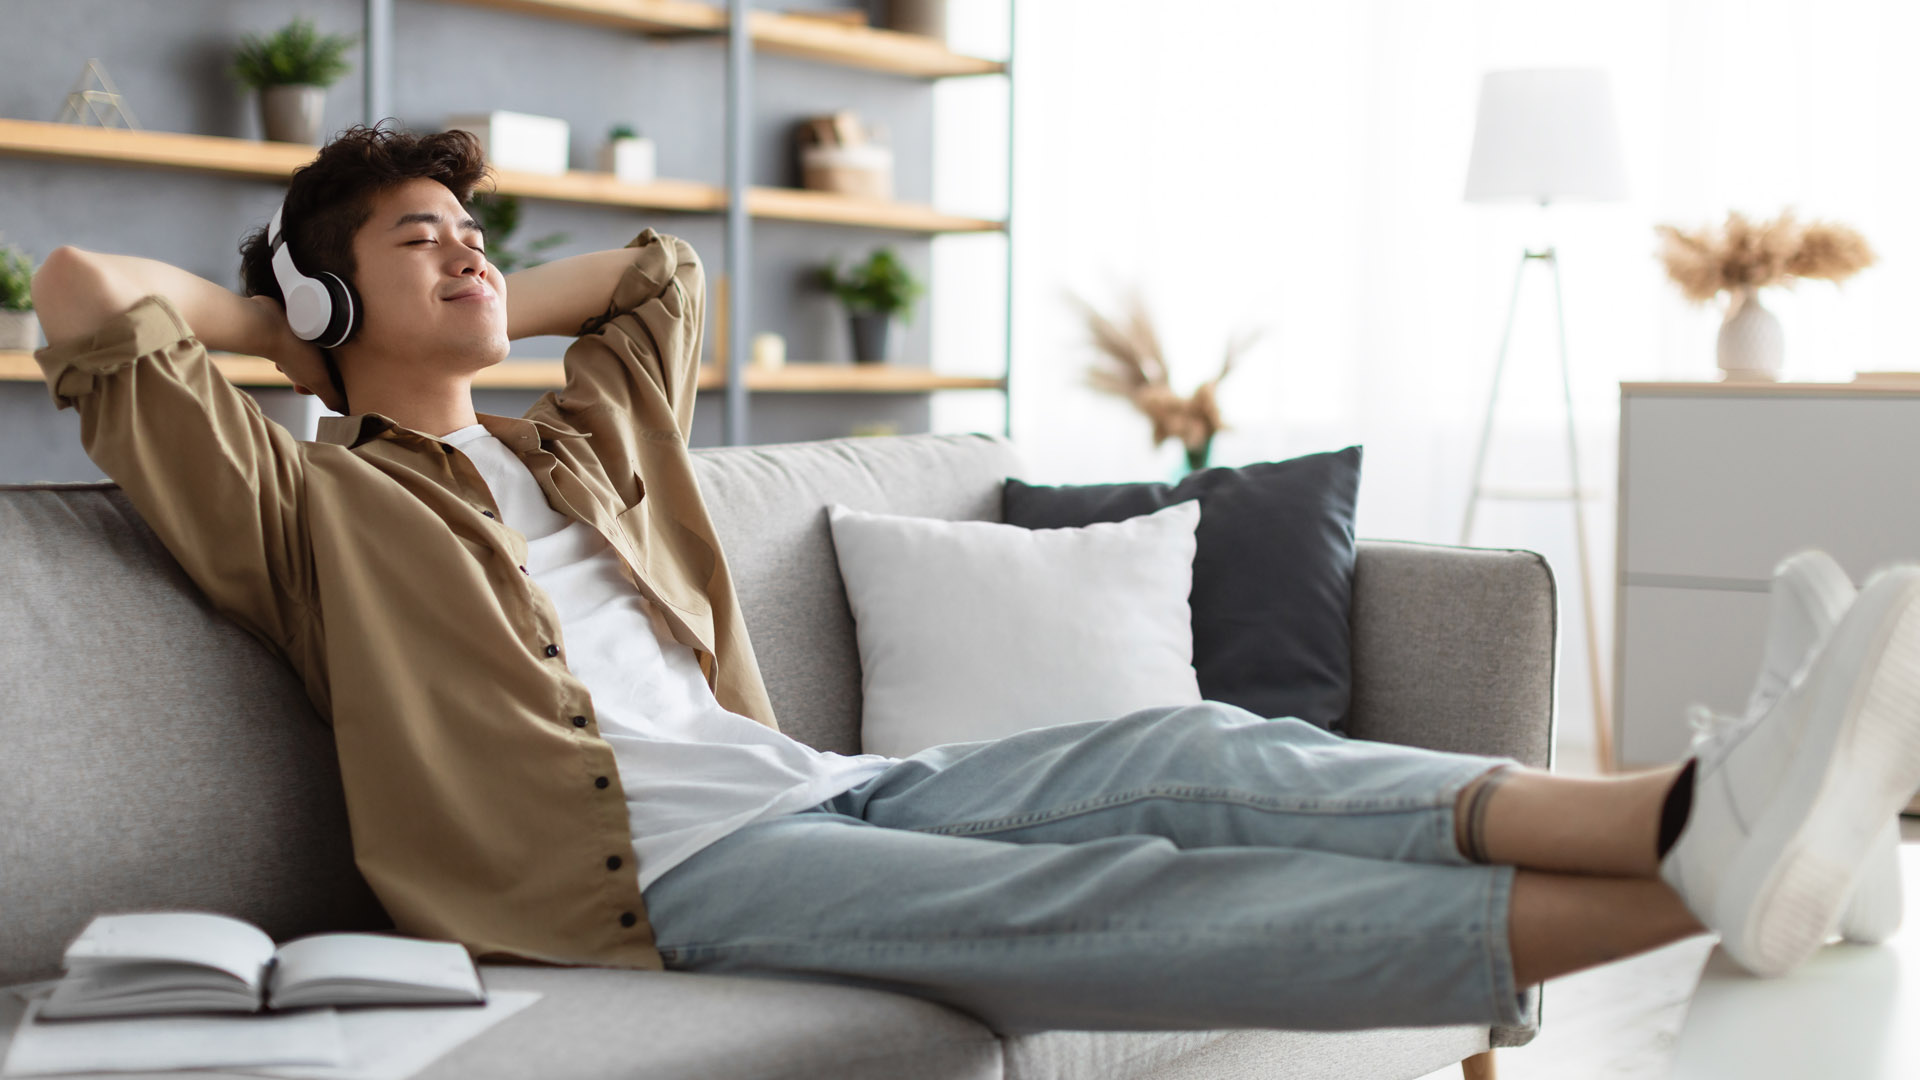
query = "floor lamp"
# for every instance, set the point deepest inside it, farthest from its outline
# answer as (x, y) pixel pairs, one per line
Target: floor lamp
(1544, 136)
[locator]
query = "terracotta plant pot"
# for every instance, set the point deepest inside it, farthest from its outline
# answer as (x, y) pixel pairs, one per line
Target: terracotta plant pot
(870, 336)
(292, 113)
(19, 330)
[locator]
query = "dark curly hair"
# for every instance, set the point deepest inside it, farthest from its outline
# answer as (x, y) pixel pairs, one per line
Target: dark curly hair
(332, 196)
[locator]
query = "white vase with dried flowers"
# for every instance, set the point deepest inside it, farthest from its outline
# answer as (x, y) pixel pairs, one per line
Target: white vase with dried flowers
(1743, 257)
(1132, 366)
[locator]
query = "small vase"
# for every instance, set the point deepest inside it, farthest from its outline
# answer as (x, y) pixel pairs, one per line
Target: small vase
(292, 113)
(1752, 345)
(19, 330)
(870, 336)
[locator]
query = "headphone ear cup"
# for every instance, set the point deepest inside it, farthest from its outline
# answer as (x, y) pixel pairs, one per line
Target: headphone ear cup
(347, 312)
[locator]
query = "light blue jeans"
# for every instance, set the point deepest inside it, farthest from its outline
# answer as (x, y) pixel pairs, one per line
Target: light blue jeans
(1183, 867)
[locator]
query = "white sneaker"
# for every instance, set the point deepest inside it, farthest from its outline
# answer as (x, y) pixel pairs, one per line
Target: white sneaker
(1810, 593)
(1786, 808)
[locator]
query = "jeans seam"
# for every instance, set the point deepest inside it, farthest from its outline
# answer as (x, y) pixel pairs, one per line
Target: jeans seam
(1182, 793)
(1228, 930)
(1502, 992)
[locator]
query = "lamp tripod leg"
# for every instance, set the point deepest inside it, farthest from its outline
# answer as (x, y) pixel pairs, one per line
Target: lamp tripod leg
(1602, 721)
(1493, 396)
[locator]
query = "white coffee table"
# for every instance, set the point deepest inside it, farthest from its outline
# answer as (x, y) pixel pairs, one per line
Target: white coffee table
(1853, 1011)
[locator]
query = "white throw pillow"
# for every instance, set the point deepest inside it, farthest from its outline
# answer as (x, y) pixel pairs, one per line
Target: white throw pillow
(974, 630)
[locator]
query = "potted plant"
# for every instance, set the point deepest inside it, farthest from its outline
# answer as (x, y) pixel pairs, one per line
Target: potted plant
(1743, 257)
(873, 292)
(291, 69)
(627, 156)
(498, 216)
(19, 326)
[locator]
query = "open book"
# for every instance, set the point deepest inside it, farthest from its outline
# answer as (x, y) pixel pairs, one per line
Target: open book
(171, 962)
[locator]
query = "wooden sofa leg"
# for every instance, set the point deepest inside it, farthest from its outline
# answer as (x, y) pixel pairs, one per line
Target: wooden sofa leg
(1478, 1067)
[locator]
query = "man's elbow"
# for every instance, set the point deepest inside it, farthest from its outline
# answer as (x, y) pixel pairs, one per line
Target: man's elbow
(71, 294)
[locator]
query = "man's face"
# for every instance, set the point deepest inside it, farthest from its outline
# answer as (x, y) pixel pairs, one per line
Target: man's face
(416, 254)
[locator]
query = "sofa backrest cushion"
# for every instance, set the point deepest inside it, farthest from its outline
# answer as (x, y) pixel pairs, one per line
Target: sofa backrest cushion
(769, 509)
(154, 755)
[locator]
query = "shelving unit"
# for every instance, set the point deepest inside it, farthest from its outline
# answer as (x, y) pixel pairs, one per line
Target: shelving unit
(277, 161)
(241, 370)
(817, 40)
(824, 40)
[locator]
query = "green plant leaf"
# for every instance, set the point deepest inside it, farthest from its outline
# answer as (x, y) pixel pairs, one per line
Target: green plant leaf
(294, 55)
(16, 279)
(883, 283)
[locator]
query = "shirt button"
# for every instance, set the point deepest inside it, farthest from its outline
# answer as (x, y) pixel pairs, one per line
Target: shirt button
(600, 781)
(553, 650)
(627, 919)
(489, 513)
(579, 721)
(524, 570)
(613, 862)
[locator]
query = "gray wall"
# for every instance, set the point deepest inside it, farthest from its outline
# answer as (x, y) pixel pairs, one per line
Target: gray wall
(170, 59)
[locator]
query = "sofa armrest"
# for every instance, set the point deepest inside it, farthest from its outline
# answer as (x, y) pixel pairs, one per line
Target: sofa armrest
(1453, 649)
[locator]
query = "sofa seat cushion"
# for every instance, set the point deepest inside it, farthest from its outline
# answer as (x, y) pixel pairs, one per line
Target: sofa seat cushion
(1378, 1054)
(607, 1024)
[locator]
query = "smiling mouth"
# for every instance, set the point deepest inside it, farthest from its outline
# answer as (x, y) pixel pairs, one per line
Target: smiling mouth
(482, 295)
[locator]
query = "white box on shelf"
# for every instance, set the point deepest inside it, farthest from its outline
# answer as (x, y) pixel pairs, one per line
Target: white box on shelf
(518, 141)
(631, 161)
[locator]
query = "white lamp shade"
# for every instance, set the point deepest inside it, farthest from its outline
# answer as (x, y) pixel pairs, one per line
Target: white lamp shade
(1545, 136)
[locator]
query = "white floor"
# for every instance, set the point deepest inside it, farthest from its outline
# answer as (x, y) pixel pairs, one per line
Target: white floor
(1615, 1022)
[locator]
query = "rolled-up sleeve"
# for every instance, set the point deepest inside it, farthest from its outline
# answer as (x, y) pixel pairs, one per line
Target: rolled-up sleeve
(221, 484)
(643, 355)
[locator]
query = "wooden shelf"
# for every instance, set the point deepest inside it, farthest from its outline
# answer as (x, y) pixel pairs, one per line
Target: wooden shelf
(826, 41)
(849, 379)
(276, 161)
(666, 18)
(863, 47)
(19, 366)
(826, 208)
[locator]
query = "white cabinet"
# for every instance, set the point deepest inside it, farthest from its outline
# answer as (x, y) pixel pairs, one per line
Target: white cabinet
(1718, 483)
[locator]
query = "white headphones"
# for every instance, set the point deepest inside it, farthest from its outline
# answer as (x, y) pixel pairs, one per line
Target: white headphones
(323, 309)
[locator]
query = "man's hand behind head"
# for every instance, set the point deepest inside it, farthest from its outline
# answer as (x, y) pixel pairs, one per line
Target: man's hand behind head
(301, 361)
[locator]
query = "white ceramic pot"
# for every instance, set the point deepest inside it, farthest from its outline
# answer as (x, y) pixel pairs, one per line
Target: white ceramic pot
(631, 161)
(1752, 345)
(292, 113)
(19, 330)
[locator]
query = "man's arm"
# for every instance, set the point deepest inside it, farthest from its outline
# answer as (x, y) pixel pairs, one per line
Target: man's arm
(76, 291)
(563, 296)
(223, 486)
(639, 335)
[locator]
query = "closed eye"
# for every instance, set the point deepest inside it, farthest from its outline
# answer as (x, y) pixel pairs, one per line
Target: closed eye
(429, 240)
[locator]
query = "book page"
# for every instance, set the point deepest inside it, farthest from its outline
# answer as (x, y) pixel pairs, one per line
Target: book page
(309, 964)
(189, 937)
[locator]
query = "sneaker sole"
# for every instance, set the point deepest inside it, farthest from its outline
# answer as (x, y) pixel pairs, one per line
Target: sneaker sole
(1786, 904)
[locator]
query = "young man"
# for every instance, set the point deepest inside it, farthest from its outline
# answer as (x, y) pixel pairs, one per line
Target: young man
(555, 743)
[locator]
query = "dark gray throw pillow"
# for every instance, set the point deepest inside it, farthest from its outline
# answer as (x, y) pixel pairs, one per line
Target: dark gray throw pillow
(1272, 574)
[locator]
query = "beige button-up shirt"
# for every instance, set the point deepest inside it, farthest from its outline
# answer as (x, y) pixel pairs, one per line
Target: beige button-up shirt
(483, 802)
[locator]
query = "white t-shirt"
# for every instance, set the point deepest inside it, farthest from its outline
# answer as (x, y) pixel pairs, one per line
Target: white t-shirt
(692, 771)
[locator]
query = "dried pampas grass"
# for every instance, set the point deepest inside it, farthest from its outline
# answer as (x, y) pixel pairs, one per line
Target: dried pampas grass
(1744, 254)
(1133, 366)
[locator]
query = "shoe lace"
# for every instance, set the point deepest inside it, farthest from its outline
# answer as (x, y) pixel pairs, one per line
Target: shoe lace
(1714, 727)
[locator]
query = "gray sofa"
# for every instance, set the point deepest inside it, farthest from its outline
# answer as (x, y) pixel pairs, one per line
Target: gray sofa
(153, 755)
